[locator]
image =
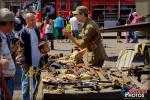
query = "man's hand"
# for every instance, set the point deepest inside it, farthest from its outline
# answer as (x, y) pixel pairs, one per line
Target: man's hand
(81, 53)
(73, 39)
(4, 64)
(66, 33)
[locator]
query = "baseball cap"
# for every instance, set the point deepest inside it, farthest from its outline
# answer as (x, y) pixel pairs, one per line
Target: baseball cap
(6, 15)
(81, 9)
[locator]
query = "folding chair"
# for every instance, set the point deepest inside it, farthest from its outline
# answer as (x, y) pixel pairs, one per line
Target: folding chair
(125, 59)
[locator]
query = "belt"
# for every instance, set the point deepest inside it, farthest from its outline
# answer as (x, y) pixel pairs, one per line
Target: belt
(8, 78)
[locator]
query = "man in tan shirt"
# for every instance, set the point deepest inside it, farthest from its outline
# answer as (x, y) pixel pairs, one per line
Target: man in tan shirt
(91, 41)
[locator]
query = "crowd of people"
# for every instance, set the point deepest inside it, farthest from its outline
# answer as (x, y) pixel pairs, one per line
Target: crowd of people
(131, 36)
(23, 43)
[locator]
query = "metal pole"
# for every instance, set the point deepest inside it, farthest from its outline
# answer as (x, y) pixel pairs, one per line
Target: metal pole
(118, 8)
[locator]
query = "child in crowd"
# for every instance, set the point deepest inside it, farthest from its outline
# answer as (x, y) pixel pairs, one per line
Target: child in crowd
(44, 49)
(49, 32)
(68, 28)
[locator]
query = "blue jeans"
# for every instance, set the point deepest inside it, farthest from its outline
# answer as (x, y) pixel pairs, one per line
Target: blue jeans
(10, 84)
(133, 36)
(130, 36)
(26, 85)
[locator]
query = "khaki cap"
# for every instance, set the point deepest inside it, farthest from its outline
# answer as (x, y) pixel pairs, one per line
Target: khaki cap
(81, 9)
(6, 15)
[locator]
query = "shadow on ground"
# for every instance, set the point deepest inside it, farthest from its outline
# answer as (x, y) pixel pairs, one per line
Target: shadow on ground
(112, 58)
(136, 59)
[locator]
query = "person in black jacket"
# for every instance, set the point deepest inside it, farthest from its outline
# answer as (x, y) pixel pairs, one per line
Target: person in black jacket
(29, 54)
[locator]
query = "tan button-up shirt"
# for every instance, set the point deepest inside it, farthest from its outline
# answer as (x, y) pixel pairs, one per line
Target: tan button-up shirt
(92, 41)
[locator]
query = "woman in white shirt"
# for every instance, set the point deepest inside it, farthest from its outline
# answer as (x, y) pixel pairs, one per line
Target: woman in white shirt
(49, 32)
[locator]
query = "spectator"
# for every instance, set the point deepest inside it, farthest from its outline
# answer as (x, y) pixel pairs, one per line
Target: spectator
(18, 27)
(7, 21)
(13, 42)
(74, 26)
(29, 54)
(4, 92)
(49, 32)
(43, 26)
(130, 17)
(59, 25)
(120, 22)
(69, 17)
(134, 21)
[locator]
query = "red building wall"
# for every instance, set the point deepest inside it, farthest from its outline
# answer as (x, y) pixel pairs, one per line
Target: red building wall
(89, 4)
(65, 12)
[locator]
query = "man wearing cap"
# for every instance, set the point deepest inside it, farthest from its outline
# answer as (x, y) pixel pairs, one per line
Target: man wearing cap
(7, 21)
(91, 41)
(3, 85)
